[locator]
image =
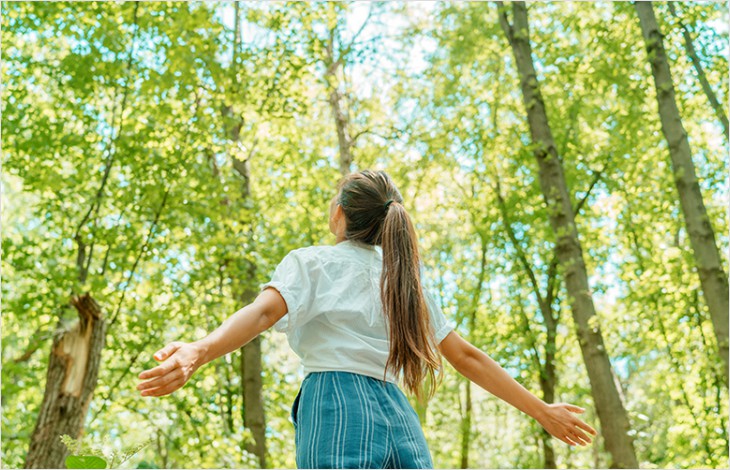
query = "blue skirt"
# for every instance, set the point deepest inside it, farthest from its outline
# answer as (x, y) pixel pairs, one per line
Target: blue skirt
(347, 420)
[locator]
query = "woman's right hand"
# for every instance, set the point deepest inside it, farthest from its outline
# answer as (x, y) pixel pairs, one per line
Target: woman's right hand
(179, 362)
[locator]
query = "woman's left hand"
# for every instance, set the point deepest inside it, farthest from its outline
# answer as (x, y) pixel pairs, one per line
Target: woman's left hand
(180, 361)
(558, 419)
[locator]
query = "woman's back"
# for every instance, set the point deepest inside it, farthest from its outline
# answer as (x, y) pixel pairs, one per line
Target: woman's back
(335, 320)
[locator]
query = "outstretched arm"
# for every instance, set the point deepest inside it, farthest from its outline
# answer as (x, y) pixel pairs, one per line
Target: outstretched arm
(243, 326)
(181, 360)
(481, 369)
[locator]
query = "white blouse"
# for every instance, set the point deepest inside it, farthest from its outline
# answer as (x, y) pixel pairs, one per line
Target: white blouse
(335, 318)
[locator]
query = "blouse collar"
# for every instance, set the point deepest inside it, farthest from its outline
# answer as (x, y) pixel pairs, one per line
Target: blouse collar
(358, 244)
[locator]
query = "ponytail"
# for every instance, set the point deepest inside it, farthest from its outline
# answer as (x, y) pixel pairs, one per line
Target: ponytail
(412, 344)
(375, 215)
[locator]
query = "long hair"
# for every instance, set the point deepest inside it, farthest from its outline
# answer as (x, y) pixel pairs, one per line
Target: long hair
(374, 214)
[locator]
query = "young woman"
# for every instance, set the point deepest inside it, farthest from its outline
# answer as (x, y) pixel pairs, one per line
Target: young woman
(357, 315)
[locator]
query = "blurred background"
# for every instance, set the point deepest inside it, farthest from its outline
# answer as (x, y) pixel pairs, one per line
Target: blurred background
(564, 163)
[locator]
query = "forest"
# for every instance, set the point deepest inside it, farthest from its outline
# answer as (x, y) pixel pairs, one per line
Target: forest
(564, 163)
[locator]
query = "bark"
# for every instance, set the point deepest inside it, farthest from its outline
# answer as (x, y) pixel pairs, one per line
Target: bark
(344, 140)
(229, 402)
(466, 427)
(610, 409)
(692, 53)
(72, 374)
(547, 386)
(254, 417)
(548, 380)
(702, 237)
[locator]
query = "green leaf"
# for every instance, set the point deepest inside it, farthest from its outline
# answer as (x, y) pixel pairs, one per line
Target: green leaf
(85, 461)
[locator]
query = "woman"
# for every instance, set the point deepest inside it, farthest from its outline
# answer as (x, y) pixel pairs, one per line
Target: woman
(357, 315)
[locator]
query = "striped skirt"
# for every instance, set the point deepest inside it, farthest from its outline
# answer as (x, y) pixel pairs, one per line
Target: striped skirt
(347, 420)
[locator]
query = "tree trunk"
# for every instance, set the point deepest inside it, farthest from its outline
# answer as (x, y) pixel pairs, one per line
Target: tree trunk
(344, 140)
(70, 382)
(692, 53)
(548, 379)
(699, 228)
(229, 403)
(466, 428)
(251, 370)
(343, 137)
(610, 409)
(547, 385)
(253, 412)
(254, 417)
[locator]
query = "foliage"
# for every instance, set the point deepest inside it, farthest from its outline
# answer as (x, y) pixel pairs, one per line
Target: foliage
(97, 456)
(118, 123)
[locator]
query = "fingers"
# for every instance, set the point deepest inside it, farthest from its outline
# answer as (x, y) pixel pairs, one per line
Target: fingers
(165, 389)
(580, 438)
(161, 370)
(575, 440)
(579, 423)
(586, 427)
(166, 377)
(165, 352)
(146, 387)
(570, 429)
(568, 440)
(574, 409)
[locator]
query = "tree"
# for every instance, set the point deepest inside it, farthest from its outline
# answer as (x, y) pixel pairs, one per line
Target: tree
(223, 159)
(699, 227)
(70, 382)
(76, 351)
(611, 412)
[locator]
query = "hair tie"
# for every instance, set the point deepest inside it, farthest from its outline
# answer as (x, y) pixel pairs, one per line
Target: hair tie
(387, 204)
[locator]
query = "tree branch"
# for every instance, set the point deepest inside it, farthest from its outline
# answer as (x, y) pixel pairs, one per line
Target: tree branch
(111, 153)
(522, 257)
(504, 21)
(139, 256)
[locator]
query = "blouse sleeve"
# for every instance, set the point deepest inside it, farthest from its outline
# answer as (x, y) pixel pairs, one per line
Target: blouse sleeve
(442, 326)
(294, 281)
